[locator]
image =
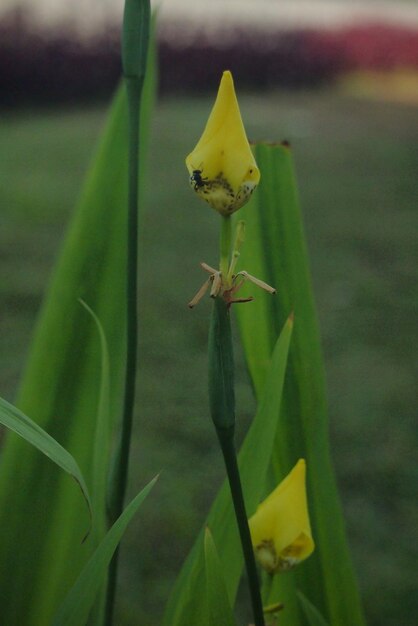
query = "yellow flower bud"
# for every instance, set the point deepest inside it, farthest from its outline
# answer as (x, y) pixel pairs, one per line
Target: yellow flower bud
(280, 528)
(222, 167)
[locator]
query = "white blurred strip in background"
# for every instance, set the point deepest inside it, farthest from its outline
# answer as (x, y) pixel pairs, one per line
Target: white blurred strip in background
(93, 15)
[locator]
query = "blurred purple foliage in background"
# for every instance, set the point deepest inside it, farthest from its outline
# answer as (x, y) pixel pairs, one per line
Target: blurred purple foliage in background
(55, 67)
(257, 60)
(61, 66)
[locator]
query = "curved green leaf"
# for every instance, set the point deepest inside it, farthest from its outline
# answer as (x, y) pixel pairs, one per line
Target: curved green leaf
(29, 430)
(102, 437)
(101, 456)
(80, 599)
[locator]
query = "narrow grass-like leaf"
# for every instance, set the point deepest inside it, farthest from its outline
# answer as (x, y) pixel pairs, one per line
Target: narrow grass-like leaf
(219, 608)
(81, 597)
(29, 430)
(312, 614)
(101, 460)
(187, 602)
(101, 445)
(275, 249)
(42, 521)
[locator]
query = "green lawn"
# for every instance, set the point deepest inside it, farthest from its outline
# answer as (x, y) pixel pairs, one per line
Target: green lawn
(356, 163)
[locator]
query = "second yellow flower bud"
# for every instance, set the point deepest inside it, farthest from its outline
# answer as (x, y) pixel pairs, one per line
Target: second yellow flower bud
(280, 528)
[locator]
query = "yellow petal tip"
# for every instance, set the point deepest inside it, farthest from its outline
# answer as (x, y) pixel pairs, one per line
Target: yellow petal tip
(280, 528)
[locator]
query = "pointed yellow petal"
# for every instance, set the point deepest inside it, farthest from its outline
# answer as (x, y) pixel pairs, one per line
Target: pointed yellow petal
(222, 167)
(280, 528)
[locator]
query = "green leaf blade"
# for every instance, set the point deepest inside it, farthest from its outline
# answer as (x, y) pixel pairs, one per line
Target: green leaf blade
(80, 599)
(23, 426)
(61, 380)
(102, 437)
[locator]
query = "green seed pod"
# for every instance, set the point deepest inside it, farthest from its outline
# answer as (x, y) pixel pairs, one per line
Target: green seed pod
(135, 38)
(221, 367)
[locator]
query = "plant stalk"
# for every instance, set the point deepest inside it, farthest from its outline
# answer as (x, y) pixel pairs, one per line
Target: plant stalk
(222, 406)
(135, 43)
(134, 90)
(226, 439)
(225, 246)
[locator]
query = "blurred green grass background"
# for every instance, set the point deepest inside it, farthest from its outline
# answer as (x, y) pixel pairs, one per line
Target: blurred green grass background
(356, 163)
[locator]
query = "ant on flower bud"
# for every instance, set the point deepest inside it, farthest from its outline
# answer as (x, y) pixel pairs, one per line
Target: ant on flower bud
(196, 179)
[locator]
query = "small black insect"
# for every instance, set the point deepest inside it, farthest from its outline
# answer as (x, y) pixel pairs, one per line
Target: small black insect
(197, 179)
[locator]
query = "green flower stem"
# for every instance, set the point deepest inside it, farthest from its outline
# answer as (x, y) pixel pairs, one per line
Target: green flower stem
(225, 245)
(134, 89)
(226, 439)
(119, 479)
(238, 241)
(221, 367)
(135, 41)
(222, 406)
